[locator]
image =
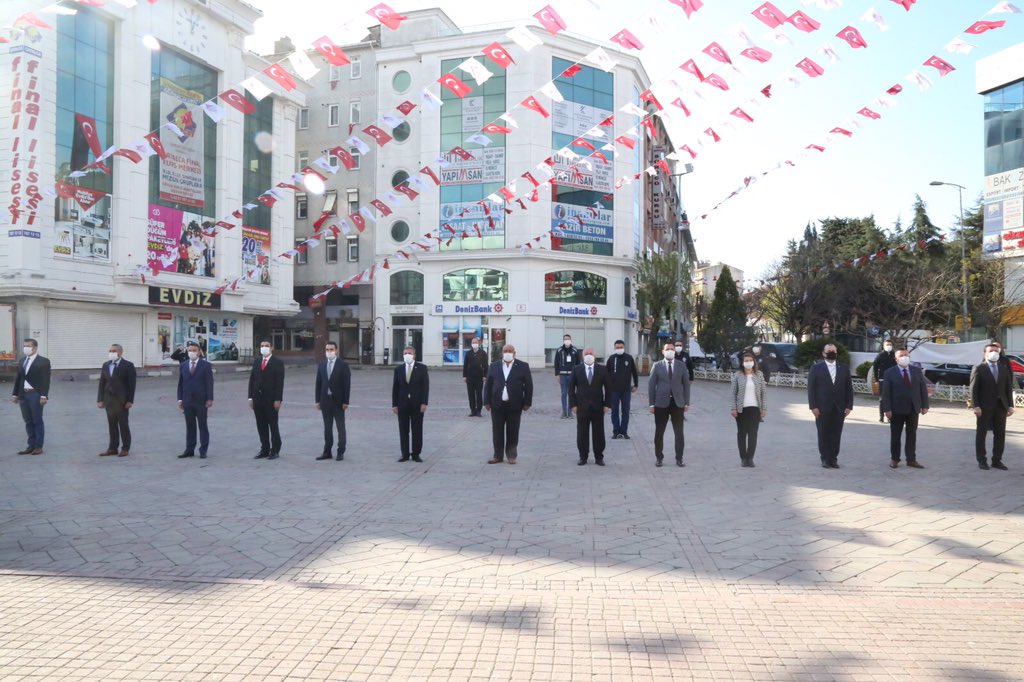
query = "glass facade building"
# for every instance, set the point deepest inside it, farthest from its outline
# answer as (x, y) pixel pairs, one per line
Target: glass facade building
(1004, 128)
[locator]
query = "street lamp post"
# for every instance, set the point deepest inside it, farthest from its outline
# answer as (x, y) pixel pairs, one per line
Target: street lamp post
(683, 224)
(963, 249)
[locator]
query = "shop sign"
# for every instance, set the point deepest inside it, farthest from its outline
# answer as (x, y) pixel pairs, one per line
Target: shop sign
(184, 298)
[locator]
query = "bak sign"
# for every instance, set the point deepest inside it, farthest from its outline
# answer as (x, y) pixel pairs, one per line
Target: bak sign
(184, 298)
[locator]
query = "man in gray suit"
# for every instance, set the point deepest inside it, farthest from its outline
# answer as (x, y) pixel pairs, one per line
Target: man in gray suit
(904, 397)
(668, 392)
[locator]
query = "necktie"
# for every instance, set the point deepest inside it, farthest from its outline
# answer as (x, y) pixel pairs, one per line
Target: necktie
(669, 364)
(264, 363)
(192, 369)
(113, 366)
(27, 361)
(590, 375)
(995, 370)
(906, 377)
(330, 368)
(408, 373)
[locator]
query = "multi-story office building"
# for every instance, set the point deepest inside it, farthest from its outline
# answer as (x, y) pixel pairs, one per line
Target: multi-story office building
(577, 280)
(73, 260)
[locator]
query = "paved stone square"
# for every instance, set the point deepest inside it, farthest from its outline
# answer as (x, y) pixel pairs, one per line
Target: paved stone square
(156, 568)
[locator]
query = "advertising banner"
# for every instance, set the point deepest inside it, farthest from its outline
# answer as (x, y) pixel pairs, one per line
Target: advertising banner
(584, 223)
(82, 229)
(7, 351)
(181, 173)
(569, 172)
(475, 215)
(1003, 232)
(177, 243)
(571, 118)
(487, 165)
(256, 254)
(217, 336)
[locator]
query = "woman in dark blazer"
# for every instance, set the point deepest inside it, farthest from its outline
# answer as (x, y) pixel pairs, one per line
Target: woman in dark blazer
(749, 406)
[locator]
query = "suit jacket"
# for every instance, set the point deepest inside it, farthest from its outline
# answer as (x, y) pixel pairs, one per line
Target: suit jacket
(824, 395)
(739, 390)
(410, 395)
(38, 376)
(899, 398)
(339, 383)
(660, 391)
(475, 365)
(195, 389)
(119, 388)
(519, 384)
(593, 396)
(986, 391)
(266, 385)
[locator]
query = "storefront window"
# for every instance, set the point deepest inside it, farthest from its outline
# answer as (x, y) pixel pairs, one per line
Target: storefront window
(458, 332)
(407, 288)
(575, 286)
(586, 333)
(476, 284)
(216, 336)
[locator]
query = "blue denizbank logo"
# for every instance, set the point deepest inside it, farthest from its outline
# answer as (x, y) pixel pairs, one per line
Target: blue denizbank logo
(574, 311)
(474, 309)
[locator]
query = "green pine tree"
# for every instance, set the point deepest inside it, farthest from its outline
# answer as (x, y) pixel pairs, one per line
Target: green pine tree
(726, 330)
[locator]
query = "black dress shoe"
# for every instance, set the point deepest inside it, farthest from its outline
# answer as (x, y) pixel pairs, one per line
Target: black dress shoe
(186, 454)
(325, 455)
(625, 436)
(825, 465)
(914, 465)
(202, 455)
(273, 455)
(999, 465)
(404, 458)
(341, 456)
(894, 463)
(416, 458)
(833, 465)
(659, 463)
(982, 464)
(679, 463)
(262, 455)
(599, 462)
(581, 462)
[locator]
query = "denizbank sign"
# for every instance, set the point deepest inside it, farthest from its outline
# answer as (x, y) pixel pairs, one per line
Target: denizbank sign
(547, 309)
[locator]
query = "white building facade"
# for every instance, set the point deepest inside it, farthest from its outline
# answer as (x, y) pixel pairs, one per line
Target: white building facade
(73, 264)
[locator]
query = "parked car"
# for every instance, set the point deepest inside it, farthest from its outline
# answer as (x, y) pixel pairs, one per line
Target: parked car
(775, 357)
(949, 373)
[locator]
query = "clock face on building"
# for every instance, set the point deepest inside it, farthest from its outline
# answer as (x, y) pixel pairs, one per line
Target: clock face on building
(191, 30)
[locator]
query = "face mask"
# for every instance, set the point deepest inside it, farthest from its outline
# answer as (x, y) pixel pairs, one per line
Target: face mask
(679, 350)
(476, 346)
(748, 365)
(903, 361)
(620, 351)
(588, 359)
(887, 348)
(831, 356)
(993, 356)
(670, 355)
(112, 357)
(508, 357)
(27, 350)
(567, 343)
(265, 351)
(193, 354)
(331, 355)
(409, 358)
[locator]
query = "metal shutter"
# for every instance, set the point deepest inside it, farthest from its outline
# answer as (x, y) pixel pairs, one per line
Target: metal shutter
(79, 338)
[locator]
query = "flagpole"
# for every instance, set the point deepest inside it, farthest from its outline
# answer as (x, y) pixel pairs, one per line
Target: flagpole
(963, 250)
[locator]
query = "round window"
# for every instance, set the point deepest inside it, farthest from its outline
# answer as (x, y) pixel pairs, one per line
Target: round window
(401, 81)
(400, 231)
(401, 131)
(399, 178)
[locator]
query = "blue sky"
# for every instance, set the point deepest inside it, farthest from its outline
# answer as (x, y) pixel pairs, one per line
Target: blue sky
(935, 134)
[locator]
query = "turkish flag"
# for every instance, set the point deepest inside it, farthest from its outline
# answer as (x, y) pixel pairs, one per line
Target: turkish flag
(572, 71)
(532, 103)
(452, 82)
(627, 40)
(941, 65)
(267, 200)
(386, 16)
(810, 67)
(895, 90)
(382, 207)
(979, 27)
(648, 96)
(758, 54)
(462, 153)
(690, 66)
(377, 134)
(358, 220)
(499, 55)
(803, 22)
(663, 165)
(716, 51)
(686, 148)
(90, 133)
(815, 147)
(495, 128)
(841, 131)
(334, 55)
(678, 101)
(689, 6)
(344, 156)
(404, 188)
(852, 36)
(129, 154)
(529, 176)
(907, 4)
(626, 141)
(770, 15)
(29, 19)
(282, 77)
(238, 101)
(869, 113)
(427, 170)
(580, 142)
(550, 20)
(406, 107)
(649, 124)
(739, 113)
(717, 81)
(713, 134)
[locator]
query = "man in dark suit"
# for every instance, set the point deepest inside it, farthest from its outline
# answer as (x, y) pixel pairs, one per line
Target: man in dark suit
(473, 370)
(410, 393)
(668, 394)
(622, 384)
(31, 389)
(992, 398)
(904, 397)
(195, 398)
(508, 392)
(590, 399)
(333, 384)
(830, 398)
(266, 391)
(116, 395)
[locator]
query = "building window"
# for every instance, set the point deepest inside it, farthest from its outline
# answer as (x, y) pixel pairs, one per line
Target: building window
(335, 73)
(301, 207)
(400, 231)
(356, 67)
(333, 115)
(399, 178)
(301, 160)
(627, 298)
(354, 112)
(585, 332)
(475, 284)
(575, 286)
(402, 131)
(257, 174)
(1004, 128)
(401, 81)
(333, 161)
(407, 288)
(353, 249)
(300, 259)
(331, 249)
(303, 119)
(353, 200)
(331, 202)
(356, 156)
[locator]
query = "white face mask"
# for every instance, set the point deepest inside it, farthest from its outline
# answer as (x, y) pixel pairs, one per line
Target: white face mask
(679, 350)
(748, 365)
(409, 358)
(193, 354)
(588, 359)
(903, 361)
(331, 354)
(112, 357)
(27, 350)
(620, 351)
(887, 348)
(567, 343)
(265, 351)
(476, 346)
(993, 356)
(508, 357)
(669, 354)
